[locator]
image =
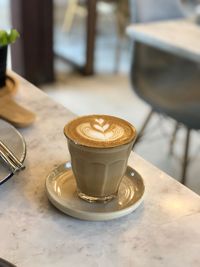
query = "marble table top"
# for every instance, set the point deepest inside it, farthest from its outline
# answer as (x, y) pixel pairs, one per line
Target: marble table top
(163, 231)
(181, 37)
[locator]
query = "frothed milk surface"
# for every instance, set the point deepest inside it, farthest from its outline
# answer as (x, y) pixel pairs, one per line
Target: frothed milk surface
(100, 131)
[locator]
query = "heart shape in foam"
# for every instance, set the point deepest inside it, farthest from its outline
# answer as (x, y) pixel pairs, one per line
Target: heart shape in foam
(101, 128)
(100, 121)
(97, 135)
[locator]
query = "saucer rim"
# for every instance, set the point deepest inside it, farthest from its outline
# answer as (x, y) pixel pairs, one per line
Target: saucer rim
(91, 215)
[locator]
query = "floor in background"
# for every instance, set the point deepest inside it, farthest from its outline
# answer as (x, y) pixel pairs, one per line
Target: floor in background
(112, 94)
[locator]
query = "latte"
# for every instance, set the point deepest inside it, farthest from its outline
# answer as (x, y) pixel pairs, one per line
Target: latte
(99, 146)
(100, 131)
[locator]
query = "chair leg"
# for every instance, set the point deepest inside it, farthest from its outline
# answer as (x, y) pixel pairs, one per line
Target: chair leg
(121, 22)
(140, 134)
(118, 51)
(185, 157)
(173, 138)
(70, 15)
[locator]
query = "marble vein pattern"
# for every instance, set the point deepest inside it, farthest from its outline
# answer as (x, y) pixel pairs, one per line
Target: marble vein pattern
(163, 231)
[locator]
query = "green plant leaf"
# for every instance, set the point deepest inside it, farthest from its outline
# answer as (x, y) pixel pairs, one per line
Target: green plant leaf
(8, 37)
(13, 36)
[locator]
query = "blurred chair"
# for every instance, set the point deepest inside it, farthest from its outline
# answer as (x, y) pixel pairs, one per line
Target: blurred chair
(74, 7)
(78, 7)
(105, 7)
(168, 83)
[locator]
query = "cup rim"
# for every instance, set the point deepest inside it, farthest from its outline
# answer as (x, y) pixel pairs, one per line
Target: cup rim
(101, 148)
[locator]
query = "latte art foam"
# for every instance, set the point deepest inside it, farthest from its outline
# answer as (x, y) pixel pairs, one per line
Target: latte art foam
(100, 131)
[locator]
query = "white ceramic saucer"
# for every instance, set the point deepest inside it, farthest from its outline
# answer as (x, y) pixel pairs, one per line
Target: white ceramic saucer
(61, 191)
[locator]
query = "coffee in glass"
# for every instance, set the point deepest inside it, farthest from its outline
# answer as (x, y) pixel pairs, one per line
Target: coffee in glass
(99, 146)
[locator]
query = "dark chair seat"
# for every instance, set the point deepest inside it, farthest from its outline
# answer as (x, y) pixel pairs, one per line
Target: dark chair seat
(170, 85)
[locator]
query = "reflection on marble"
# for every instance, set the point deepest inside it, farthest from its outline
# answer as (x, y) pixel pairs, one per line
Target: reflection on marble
(164, 231)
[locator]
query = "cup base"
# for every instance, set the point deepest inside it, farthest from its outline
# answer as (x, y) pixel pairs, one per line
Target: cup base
(92, 199)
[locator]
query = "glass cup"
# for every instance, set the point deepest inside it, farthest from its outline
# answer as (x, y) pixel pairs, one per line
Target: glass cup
(98, 171)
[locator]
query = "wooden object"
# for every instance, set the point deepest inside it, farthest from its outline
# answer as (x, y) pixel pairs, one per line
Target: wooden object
(10, 110)
(10, 87)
